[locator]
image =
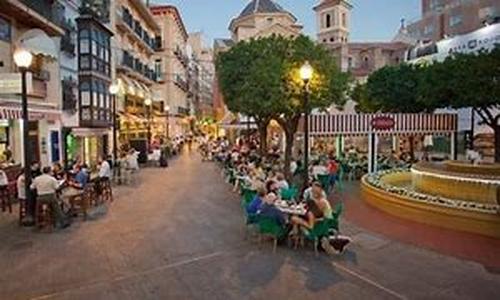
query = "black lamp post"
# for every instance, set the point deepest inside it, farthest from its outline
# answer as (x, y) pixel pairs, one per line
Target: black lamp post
(113, 91)
(23, 60)
(306, 73)
(167, 109)
(148, 104)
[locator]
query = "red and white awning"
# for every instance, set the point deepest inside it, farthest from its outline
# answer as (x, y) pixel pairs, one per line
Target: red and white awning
(12, 113)
(382, 124)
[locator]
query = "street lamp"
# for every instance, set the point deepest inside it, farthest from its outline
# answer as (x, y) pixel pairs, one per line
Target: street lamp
(113, 91)
(23, 60)
(167, 109)
(306, 73)
(148, 103)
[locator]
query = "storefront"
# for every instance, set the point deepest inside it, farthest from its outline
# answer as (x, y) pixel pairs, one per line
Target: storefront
(44, 133)
(86, 144)
(375, 134)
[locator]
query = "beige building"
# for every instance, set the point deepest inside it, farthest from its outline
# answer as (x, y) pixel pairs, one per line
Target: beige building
(359, 58)
(446, 18)
(260, 18)
(136, 40)
(172, 62)
(202, 74)
(44, 85)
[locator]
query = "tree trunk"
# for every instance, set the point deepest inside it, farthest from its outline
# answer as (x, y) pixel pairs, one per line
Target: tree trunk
(411, 140)
(496, 130)
(262, 137)
(290, 137)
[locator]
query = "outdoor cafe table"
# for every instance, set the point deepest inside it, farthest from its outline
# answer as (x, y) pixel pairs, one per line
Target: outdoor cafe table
(291, 209)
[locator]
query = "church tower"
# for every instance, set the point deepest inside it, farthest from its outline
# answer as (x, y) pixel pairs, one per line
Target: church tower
(333, 18)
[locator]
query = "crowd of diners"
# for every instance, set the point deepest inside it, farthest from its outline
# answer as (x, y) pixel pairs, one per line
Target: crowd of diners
(264, 175)
(54, 185)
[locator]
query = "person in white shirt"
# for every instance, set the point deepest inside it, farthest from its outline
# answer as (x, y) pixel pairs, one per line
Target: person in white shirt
(4, 181)
(46, 187)
(281, 182)
(104, 169)
(319, 169)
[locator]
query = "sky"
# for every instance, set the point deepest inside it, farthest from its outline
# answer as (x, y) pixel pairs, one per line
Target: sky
(372, 20)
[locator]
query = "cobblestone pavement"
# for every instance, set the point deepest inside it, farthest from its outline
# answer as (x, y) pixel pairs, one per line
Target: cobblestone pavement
(178, 234)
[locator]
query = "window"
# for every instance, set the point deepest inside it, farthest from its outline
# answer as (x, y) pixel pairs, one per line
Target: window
(344, 20)
(349, 62)
(455, 20)
(328, 21)
(428, 29)
(85, 93)
(332, 39)
(5, 30)
(85, 62)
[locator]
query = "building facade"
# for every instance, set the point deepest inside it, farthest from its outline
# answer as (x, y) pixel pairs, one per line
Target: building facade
(141, 109)
(17, 21)
(172, 62)
(202, 74)
(359, 58)
(446, 18)
(259, 18)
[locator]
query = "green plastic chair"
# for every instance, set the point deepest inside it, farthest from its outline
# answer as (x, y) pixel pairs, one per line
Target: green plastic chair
(337, 212)
(320, 229)
(247, 196)
(289, 194)
(325, 182)
(269, 227)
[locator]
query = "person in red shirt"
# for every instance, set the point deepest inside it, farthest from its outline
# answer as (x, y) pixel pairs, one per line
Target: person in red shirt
(333, 169)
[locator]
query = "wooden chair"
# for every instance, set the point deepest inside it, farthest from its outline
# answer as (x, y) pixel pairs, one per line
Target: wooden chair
(23, 210)
(81, 202)
(5, 199)
(44, 214)
(107, 191)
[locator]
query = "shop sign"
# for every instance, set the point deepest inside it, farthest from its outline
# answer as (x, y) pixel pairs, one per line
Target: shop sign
(10, 83)
(383, 123)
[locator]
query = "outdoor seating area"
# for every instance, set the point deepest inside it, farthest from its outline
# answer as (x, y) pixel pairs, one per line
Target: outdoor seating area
(56, 196)
(274, 208)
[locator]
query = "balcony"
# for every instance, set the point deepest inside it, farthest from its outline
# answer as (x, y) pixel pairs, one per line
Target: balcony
(181, 56)
(98, 9)
(134, 29)
(68, 45)
(182, 83)
(47, 15)
(69, 96)
(136, 68)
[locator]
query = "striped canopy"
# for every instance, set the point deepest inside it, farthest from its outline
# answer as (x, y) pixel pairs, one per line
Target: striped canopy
(363, 124)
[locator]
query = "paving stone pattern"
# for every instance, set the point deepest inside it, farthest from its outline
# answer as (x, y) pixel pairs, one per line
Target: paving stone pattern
(178, 234)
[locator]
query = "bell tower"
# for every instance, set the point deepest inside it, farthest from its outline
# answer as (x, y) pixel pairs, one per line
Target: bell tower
(333, 18)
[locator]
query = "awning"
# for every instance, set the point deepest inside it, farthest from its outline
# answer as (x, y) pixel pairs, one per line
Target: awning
(382, 124)
(89, 132)
(33, 113)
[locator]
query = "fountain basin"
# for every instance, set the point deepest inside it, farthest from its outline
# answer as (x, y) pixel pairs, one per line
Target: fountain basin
(391, 191)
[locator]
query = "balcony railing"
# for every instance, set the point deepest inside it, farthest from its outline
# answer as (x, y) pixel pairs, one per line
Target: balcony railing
(138, 30)
(138, 66)
(51, 10)
(69, 96)
(99, 9)
(68, 45)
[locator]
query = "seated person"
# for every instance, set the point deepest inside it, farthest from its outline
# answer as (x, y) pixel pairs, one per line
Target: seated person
(317, 208)
(269, 210)
(81, 178)
(318, 169)
(308, 192)
(255, 205)
(272, 186)
(281, 183)
(46, 187)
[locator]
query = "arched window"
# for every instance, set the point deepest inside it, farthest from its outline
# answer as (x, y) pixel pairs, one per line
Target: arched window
(328, 21)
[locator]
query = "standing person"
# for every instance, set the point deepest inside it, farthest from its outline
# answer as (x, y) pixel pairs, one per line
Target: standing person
(29, 220)
(35, 169)
(7, 153)
(104, 170)
(46, 187)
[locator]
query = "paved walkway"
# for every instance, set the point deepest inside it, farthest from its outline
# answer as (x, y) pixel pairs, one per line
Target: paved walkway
(178, 234)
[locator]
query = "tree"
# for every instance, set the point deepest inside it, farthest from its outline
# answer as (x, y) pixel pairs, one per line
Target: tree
(395, 89)
(260, 78)
(249, 76)
(468, 80)
(328, 86)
